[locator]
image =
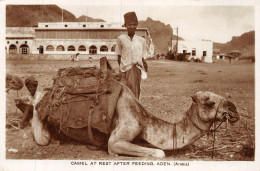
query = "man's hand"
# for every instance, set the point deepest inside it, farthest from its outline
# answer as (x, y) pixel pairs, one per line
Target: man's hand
(145, 65)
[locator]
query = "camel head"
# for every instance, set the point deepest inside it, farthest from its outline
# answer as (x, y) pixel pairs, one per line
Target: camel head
(211, 107)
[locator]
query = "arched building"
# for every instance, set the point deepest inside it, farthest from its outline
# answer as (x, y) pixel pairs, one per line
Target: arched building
(68, 38)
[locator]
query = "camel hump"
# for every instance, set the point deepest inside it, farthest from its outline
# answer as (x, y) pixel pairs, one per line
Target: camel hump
(78, 92)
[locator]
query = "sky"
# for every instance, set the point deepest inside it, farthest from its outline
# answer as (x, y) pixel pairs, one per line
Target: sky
(218, 23)
(215, 20)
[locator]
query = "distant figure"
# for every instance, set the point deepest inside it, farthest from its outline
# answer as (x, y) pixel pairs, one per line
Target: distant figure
(132, 50)
(229, 58)
(75, 58)
(90, 59)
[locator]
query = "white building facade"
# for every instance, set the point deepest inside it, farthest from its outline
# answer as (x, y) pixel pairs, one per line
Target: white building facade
(68, 38)
(201, 49)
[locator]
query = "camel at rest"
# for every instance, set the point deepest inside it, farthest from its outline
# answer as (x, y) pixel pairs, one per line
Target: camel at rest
(132, 121)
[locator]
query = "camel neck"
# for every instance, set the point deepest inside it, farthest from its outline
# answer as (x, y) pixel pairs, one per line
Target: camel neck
(164, 135)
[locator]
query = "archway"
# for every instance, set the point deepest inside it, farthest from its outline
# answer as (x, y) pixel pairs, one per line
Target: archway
(113, 49)
(71, 48)
(82, 48)
(49, 48)
(12, 49)
(93, 49)
(103, 48)
(60, 48)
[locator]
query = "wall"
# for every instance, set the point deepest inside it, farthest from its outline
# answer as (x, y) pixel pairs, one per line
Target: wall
(30, 43)
(200, 46)
(79, 25)
(37, 37)
(76, 43)
(55, 57)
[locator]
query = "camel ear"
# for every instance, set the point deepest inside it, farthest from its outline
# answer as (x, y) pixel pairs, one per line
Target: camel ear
(194, 99)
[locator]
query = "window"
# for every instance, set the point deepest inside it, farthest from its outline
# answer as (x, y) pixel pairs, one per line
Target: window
(113, 49)
(93, 49)
(24, 49)
(84, 25)
(7, 42)
(193, 52)
(103, 49)
(82, 48)
(46, 25)
(66, 25)
(204, 53)
(25, 42)
(41, 49)
(184, 51)
(60, 48)
(102, 26)
(16, 42)
(71, 48)
(49, 48)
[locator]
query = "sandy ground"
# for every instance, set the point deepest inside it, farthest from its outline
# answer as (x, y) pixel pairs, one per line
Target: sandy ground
(166, 93)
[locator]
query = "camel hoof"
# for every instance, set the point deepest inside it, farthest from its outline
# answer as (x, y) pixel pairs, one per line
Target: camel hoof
(159, 153)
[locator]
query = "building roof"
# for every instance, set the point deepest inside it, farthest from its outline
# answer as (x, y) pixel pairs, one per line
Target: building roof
(79, 25)
(20, 32)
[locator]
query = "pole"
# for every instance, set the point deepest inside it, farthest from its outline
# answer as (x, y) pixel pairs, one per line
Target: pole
(87, 16)
(62, 15)
(171, 43)
(177, 42)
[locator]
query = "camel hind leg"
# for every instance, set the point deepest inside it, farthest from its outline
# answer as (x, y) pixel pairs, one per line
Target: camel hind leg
(127, 128)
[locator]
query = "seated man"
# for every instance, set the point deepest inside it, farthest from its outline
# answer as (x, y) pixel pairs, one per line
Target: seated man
(27, 103)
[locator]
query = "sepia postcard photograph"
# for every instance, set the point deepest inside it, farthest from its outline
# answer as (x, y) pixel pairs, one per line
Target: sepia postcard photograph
(129, 85)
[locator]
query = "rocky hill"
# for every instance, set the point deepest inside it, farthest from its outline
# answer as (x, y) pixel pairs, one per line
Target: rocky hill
(84, 18)
(30, 15)
(160, 33)
(244, 43)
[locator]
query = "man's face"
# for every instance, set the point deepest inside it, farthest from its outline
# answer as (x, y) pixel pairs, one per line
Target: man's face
(131, 27)
(32, 89)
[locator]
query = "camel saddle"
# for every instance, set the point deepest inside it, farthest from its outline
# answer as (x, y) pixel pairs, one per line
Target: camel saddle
(81, 97)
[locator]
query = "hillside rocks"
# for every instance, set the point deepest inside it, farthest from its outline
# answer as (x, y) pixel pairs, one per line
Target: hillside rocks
(30, 15)
(160, 33)
(244, 43)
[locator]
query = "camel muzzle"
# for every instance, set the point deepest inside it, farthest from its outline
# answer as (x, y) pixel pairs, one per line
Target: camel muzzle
(230, 117)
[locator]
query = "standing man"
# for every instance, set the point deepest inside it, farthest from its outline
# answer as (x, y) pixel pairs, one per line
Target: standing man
(132, 50)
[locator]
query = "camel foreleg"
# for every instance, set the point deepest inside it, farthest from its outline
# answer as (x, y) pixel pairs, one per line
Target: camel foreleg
(127, 148)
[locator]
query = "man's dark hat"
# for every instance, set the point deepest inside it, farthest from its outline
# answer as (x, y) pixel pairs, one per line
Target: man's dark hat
(30, 81)
(130, 17)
